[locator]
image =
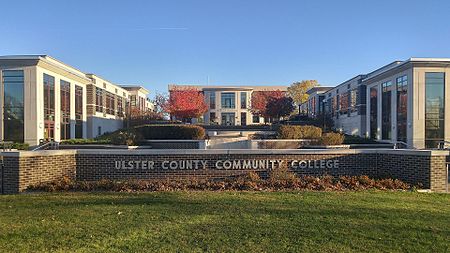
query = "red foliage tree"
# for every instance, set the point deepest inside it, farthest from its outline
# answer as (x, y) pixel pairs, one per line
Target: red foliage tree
(186, 103)
(279, 107)
(261, 98)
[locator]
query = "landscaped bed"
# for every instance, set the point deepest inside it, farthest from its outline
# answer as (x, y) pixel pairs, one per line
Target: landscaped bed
(366, 221)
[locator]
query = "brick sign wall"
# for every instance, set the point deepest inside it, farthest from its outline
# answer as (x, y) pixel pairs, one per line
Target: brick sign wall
(22, 169)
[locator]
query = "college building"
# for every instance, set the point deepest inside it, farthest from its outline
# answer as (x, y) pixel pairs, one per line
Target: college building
(406, 102)
(45, 99)
(230, 105)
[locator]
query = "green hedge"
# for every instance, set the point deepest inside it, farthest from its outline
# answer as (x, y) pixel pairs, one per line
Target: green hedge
(299, 132)
(20, 146)
(171, 132)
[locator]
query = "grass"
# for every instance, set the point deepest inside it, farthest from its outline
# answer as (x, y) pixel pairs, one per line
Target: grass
(225, 221)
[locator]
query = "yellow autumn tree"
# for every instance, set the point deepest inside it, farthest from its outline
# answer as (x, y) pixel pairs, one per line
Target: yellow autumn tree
(297, 90)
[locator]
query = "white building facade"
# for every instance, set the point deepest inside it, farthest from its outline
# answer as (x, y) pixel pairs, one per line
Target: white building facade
(45, 99)
(404, 102)
(230, 105)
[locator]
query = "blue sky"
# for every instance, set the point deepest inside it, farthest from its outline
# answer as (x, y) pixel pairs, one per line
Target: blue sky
(246, 42)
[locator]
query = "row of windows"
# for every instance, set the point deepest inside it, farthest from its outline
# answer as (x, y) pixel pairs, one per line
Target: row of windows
(228, 100)
(228, 118)
(434, 109)
(106, 102)
(49, 108)
(345, 103)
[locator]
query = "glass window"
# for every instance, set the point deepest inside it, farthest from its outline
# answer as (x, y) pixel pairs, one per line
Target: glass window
(98, 99)
(228, 119)
(338, 105)
(373, 113)
(212, 100)
(255, 119)
(228, 100)
(110, 101)
(353, 99)
(49, 107)
(65, 109)
(13, 112)
(78, 111)
(243, 100)
(386, 111)
(402, 108)
(243, 118)
(212, 118)
(434, 109)
(120, 107)
(333, 106)
(133, 101)
(344, 99)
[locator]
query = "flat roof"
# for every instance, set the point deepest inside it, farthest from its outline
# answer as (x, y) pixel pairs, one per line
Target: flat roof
(318, 89)
(134, 87)
(48, 59)
(230, 87)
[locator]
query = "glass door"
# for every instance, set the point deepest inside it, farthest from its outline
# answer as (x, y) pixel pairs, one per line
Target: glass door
(228, 119)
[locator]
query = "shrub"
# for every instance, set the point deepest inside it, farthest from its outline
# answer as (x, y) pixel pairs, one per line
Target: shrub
(128, 137)
(278, 180)
(331, 139)
(299, 132)
(282, 174)
(171, 132)
(20, 146)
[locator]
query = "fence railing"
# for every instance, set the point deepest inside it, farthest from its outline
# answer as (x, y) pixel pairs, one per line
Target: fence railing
(401, 145)
(47, 145)
(444, 145)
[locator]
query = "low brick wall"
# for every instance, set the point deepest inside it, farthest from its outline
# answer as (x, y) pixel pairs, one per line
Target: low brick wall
(22, 169)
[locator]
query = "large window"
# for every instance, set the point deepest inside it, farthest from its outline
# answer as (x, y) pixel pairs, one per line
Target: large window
(312, 105)
(13, 114)
(353, 100)
(321, 104)
(65, 109)
(98, 99)
(49, 107)
(243, 118)
(78, 111)
(402, 107)
(110, 101)
(228, 119)
(434, 109)
(120, 108)
(243, 100)
(333, 106)
(255, 119)
(344, 103)
(212, 118)
(386, 111)
(228, 100)
(338, 105)
(373, 113)
(212, 100)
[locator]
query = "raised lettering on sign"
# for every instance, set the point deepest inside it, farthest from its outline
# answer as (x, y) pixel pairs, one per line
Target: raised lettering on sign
(225, 164)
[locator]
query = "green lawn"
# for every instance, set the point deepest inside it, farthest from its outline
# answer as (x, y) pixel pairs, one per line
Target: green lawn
(225, 221)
